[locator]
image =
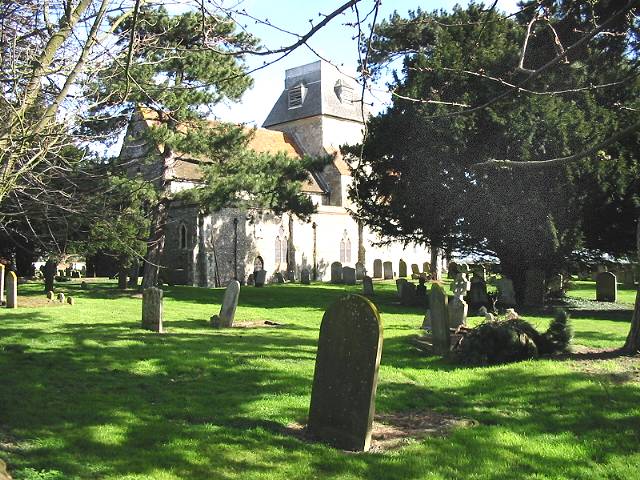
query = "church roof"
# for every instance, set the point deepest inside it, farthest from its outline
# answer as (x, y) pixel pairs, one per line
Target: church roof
(314, 89)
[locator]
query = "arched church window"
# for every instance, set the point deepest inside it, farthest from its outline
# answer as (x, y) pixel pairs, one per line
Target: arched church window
(258, 264)
(281, 248)
(345, 248)
(183, 237)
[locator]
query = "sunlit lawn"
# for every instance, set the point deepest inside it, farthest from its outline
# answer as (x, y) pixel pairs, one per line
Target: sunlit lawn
(87, 394)
(586, 289)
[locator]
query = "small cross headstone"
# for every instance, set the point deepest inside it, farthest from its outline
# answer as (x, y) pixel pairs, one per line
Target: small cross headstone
(260, 277)
(336, 272)
(70, 301)
(12, 290)
(534, 287)
(305, 276)
(458, 307)
(359, 271)
(152, 309)
(61, 297)
(402, 269)
(606, 287)
(1, 283)
(349, 275)
(388, 270)
(377, 268)
(367, 286)
(228, 308)
(506, 293)
(439, 317)
(346, 374)
(50, 295)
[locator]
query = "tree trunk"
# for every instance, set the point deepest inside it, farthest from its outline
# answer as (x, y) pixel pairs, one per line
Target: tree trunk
(633, 339)
(155, 246)
(291, 253)
(435, 260)
(50, 269)
(134, 271)
(361, 249)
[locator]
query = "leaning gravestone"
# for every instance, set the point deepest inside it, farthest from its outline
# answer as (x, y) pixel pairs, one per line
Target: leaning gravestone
(228, 308)
(458, 307)
(506, 293)
(402, 269)
(377, 268)
(359, 271)
(1, 283)
(388, 270)
(534, 288)
(349, 275)
(260, 276)
(346, 374)
(478, 292)
(439, 317)
(12, 290)
(367, 286)
(152, 309)
(336, 272)
(305, 276)
(606, 287)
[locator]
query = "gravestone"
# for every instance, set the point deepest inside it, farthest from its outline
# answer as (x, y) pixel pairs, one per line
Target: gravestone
(349, 275)
(1, 284)
(599, 269)
(506, 293)
(415, 271)
(439, 318)
(50, 295)
(251, 280)
(377, 268)
(402, 269)
(367, 286)
(346, 374)
(421, 292)
(11, 282)
(305, 276)
(360, 271)
(478, 292)
(260, 276)
(408, 295)
(387, 270)
(71, 301)
(606, 287)
(61, 297)
(555, 285)
(426, 321)
(426, 268)
(458, 307)
(628, 278)
(228, 308)
(336, 272)
(399, 284)
(152, 309)
(534, 288)
(278, 277)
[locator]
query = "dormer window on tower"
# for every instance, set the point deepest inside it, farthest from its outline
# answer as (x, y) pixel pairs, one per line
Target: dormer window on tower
(297, 95)
(343, 91)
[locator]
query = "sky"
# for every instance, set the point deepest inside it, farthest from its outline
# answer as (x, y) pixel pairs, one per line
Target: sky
(334, 42)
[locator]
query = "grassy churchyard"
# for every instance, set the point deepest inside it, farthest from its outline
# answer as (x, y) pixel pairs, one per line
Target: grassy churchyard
(87, 394)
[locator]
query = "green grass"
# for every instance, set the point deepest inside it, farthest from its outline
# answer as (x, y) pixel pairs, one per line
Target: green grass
(587, 290)
(92, 396)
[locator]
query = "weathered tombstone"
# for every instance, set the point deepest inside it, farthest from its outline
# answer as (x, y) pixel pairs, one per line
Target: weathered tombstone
(534, 288)
(260, 277)
(402, 268)
(439, 317)
(50, 295)
(555, 285)
(278, 277)
(228, 308)
(349, 275)
(606, 287)
(388, 270)
(336, 272)
(399, 284)
(61, 297)
(426, 268)
(415, 271)
(11, 281)
(346, 374)
(377, 268)
(408, 294)
(458, 307)
(1, 283)
(360, 272)
(367, 286)
(305, 276)
(70, 301)
(251, 280)
(478, 292)
(506, 293)
(152, 309)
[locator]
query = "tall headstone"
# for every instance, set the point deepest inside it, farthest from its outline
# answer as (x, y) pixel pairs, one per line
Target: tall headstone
(606, 287)
(305, 276)
(346, 374)
(228, 308)
(367, 286)
(260, 277)
(415, 271)
(360, 271)
(388, 270)
(478, 292)
(377, 268)
(458, 307)
(152, 309)
(336, 272)
(349, 275)
(12, 290)
(506, 293)
(439, 319)
(534, 288)
(1, 283)
(402, 269)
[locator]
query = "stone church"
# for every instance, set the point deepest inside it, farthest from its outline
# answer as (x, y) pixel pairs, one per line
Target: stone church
(318, 110)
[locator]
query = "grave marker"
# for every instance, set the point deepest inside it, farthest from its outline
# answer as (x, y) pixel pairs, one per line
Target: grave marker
(348, 275)
(388, 270)
(606, 287)
(305, 276)
(402, 269)
(228, 308)
(260, 277)
(439, 317)
(377, 268)
(367, 286)
(12, 290)
(336, 272)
